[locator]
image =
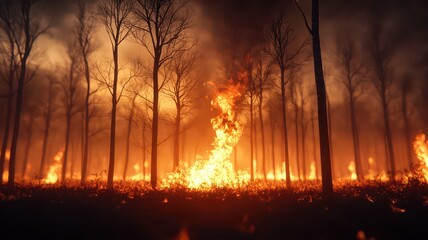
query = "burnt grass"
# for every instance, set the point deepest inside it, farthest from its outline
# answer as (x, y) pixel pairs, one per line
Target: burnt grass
(375, 210)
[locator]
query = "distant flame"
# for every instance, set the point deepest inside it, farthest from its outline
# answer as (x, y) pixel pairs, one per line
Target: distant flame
(53, 172)
(138, 175)
(351, 168)
(218, 170)
(420, 146)
(312, 171)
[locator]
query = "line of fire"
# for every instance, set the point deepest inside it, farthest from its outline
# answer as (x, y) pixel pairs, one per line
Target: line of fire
(227, 118)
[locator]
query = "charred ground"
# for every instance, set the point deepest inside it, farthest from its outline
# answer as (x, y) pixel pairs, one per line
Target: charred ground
(132, 211)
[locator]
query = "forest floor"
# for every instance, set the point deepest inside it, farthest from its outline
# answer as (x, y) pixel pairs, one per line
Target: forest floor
(369, 210)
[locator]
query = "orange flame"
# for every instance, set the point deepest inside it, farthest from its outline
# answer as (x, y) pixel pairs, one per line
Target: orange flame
(351, 168)
(420, 146)
(53, 172)
(218, 170)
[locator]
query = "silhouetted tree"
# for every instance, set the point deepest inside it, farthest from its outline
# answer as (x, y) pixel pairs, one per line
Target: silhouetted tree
(353, 74)
(84, 33)
(381, 54)
(28, 125)
(114, 15)
(294, 100)
(47, 115)
(181, 91)
(280, 39)
(25, 33)
(263, 74)
(69, 86)
(327, 180)
(8, 69)
(165, 23)
(128, 135)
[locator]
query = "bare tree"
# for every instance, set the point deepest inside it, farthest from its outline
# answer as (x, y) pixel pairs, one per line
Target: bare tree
(69, 86)
(263, 75)
(251, 93)
(165, 23)
(84, 33)
(304, 121)
(381, 54)
(28, 125)
(25, 33)
(8, 71)
(114, 15)
(47, 115)
(181, 91)
(128, 135)
(294, 100)
(353, 75)
(280, 48)
(273, 119)
(327, 180)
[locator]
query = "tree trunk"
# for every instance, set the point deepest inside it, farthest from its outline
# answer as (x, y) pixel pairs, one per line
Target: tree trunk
(46, 132)
(6, 129)
(113, 119)
(302, 121)
(272, 132)
(27, 146)
(155, 123)
(285, 134)
(251, 138)
(388, 136)
(144, 149)
(356, 139)
(17, 118)
(314, 144)
(327, 181)
(262, 129)
(128, 138)
(296, 123)
(84, 165)
(67, 143)
(177, 137)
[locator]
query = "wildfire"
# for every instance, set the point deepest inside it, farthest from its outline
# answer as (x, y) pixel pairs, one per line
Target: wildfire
(138, 175)
(217, 170)
(351, 168)
(53, 172)
(312, 171)
(420, 146)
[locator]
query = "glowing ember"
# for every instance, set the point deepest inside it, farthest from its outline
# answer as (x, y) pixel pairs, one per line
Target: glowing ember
(218, 170)
(54, 169)
(420, 146)
(351, 168)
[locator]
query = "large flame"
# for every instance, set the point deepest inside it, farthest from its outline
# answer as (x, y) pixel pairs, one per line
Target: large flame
(420, 146)
(53, 172)
(351, 168)
(218, 170)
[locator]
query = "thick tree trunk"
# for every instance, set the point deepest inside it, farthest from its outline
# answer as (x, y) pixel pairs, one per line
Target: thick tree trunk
(84, 164)
(6, 129)
(27, 146)
(327, 181)
(17, 118)
(128, 139)
(155, 124)
(285, 134)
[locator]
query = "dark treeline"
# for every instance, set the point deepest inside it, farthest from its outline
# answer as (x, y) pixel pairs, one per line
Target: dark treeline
(123, 88)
